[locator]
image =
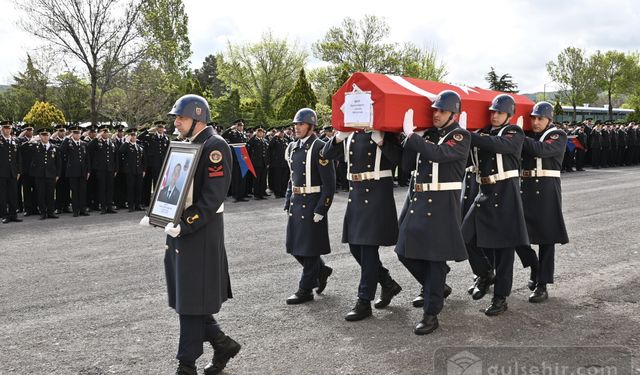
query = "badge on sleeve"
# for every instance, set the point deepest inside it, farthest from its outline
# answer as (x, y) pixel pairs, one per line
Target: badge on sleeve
(217, 171)
(458, 137)
(554, 136)
(215, 156)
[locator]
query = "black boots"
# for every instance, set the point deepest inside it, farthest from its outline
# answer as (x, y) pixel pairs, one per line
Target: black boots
(325, 272)
(360, 311)
(497, 307)
(224, 348)
(301, 296)
(533, 278)
(186, 369)
(482, 285)
(390, 289)
(428, 324)
(539, 294)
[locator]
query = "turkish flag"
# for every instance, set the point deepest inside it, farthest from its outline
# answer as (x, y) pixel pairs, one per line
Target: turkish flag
(380, 101)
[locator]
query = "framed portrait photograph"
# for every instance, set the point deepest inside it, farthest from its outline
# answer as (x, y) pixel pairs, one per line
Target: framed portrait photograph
(174, 183)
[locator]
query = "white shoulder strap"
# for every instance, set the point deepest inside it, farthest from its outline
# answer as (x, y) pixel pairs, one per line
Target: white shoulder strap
(308, 163)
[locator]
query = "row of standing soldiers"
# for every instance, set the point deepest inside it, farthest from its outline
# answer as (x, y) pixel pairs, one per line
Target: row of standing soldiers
(47, 173)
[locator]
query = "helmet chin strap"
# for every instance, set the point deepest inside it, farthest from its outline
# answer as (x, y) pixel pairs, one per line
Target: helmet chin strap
(506, 121)
(193, 126)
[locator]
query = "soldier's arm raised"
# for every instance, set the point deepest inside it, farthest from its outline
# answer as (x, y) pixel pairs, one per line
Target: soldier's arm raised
(333, 149)
(510, 142)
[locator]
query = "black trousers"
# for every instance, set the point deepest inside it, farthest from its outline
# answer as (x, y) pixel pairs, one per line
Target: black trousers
(604, 157)
(194, 331)
(28, 194)
(547, 263)
(480, 264)
(371, 270)
(8, 197)
(596, 157)
(580, 156)
(78, 193)
(432, 276)
(260, 182)
(92, 191)
(120, 190)
(527, 256)
(503, 264)
(134, 190)
(63, 193)
(310, 271)
(45, 188)
(278, 179)
(104, 182)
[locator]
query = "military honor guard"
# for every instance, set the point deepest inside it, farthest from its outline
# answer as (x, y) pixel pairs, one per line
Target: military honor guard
(132, 166)
(104, 166)
(26, 180)
(156, 144)
(495, 223)
(46, 164)
(258, 149)
(370, 220)
(430, 220)
(10, 171)
(542, 154)
(63, 192)
(278, 167)
(308, 199)
(235, 135)
(77, 167)
(119, 182)
(196, 260)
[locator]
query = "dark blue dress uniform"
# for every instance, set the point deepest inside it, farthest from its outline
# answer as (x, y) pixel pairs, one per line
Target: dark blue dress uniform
(28, 183)
(495, 223)
(120, 181)
(278, 167)
(310, 191)
(45, 168)
(77, 169)
(370, 220)
(258, 149)
(132, 166)
(104, 165)
(156, 147)
(431, 217)
(542, 155)
(10, 169)
(196, 265)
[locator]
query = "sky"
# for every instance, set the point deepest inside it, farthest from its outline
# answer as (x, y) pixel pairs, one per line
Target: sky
(514, 36)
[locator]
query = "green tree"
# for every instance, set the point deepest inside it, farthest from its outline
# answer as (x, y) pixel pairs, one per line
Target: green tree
(164, 27)
(502, 83)
(71, 95)
(576, 77)
(301, 96)
(32, 80)
(264, 71)
(44, 115)
(101, 35)
(557, 108)
(421, 63)
(227, 107)
(617, 74)
(359, 46)
(209, 77)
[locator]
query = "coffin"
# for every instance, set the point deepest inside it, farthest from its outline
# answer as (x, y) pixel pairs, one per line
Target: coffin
(379, 101)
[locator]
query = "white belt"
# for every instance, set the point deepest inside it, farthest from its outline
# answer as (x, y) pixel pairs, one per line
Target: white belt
(306, 190)
(364, 176)
(442, 186)
(492, 179)
(540, 173)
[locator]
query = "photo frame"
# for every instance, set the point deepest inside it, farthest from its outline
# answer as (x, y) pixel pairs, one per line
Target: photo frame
(174, 183)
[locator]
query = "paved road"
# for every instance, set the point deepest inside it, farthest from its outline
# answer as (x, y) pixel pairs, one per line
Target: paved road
(87, 296)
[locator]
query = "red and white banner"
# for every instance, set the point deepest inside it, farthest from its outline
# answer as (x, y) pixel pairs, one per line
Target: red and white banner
(379, 101)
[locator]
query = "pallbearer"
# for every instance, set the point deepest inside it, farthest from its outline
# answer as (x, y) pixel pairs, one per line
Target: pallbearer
(430, 219)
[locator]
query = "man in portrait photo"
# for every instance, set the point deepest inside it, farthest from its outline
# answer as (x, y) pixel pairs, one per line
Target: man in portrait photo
(170, 193)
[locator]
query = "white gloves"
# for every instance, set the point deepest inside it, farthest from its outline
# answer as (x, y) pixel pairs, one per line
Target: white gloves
(407, 125)
(173, 231)
(317, 218)
(144, 221)
(377, 137)
(341, 136)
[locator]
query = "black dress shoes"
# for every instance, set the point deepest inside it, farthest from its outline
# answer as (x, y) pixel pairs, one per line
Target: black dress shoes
(497, 307)
(42, 217)
(539, 294)
(419, 300)
(224, 348)
(186, 369)
(473, 286)
(428, 324)
(241, 200)
(360, 311)
(447, 290)
(325, 272)
(52, 216)
(482, 285)
(84, 213)
(301, 296)
(390, 289)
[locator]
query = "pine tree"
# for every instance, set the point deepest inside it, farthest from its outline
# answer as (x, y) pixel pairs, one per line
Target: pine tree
(301, 96)
(557, 109)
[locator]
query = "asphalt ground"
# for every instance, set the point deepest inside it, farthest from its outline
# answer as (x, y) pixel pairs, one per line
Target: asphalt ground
(87, 296)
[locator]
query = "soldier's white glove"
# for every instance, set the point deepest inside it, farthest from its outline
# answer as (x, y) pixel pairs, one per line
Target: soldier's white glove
(341, 136)
(377, 137)
(317, 218)
(173, 231)
(407, 125)
(144, 221)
